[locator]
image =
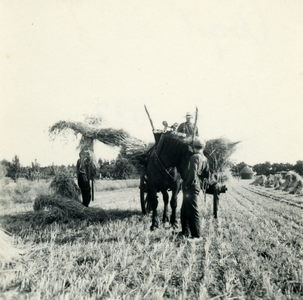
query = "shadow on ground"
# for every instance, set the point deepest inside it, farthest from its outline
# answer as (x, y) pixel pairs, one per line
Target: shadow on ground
(31, 221)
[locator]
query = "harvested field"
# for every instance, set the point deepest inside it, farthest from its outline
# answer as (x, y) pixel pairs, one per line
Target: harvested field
(253, 251)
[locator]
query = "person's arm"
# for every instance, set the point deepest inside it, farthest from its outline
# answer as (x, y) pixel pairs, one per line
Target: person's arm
(205, 170)
(78, 167)
(180, 128)
(93, 169)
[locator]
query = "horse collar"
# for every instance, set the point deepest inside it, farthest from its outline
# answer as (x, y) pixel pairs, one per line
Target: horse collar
(166, 170)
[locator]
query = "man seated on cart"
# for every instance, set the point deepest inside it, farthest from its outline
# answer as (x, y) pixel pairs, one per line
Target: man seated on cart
(188, 127)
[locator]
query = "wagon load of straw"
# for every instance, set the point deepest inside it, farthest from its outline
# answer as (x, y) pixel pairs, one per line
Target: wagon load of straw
(139, 153)
(260, 180)
(8, 251)
(293, 183)
(54, 208)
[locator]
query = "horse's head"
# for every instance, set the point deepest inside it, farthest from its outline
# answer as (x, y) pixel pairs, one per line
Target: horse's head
(174, 151)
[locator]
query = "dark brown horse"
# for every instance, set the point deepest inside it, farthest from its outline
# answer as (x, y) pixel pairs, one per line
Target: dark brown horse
(167, 160)
(159, 179)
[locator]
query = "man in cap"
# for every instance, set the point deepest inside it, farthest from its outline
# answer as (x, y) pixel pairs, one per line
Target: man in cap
(188, 127)
(197, 169)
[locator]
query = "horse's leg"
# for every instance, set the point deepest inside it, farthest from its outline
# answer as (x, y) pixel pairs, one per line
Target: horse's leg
(154, 205)
(173, 205)
(165, 199)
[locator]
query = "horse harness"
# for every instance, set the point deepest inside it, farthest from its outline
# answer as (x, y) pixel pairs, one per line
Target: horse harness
(162, 166)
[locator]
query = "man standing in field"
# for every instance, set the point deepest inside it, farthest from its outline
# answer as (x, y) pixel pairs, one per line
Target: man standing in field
(198, 169)
(188, 127)
(86, 171)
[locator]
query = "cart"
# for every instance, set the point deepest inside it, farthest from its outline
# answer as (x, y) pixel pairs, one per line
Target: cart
(144, 195)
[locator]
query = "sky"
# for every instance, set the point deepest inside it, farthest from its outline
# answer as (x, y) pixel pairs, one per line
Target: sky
(239, 62)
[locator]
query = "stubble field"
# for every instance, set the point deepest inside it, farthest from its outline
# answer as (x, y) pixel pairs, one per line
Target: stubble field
(252, 251)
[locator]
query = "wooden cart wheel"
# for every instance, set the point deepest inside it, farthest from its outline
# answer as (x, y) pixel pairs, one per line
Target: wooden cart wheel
(144, 195)
(216, 203)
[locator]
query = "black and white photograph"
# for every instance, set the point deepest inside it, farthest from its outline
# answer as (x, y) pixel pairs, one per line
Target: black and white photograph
(151, 150)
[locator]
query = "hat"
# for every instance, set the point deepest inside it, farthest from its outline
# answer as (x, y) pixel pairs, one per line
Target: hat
(198, 143)
(188, 114)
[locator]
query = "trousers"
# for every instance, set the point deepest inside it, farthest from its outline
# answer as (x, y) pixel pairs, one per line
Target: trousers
(190, 216)
(83, 183)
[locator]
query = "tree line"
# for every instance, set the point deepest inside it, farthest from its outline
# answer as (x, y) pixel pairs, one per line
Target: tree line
(218, 152)
(120, 168)
(15, 170)
(267, 168)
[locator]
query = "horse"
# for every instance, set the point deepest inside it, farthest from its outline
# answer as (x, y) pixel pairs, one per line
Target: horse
(165, 168)
(159, 179)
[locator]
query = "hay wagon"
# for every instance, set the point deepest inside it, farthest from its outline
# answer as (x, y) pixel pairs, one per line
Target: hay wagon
(144, 195)
(213, 187)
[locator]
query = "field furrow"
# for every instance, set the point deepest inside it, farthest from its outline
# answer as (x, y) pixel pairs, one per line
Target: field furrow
(292, 215)
(294, 200)
(264, 249)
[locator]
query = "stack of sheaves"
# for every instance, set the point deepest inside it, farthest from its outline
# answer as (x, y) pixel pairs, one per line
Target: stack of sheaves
(260, 180)
(293, 183)
(52, 208)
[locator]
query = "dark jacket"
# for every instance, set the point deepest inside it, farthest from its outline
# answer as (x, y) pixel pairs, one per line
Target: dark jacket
(86, 169)
(197, 170)
(187, 128)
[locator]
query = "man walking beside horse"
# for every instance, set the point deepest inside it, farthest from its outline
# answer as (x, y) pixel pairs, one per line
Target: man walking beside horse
(197, 177)
(198, 169)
